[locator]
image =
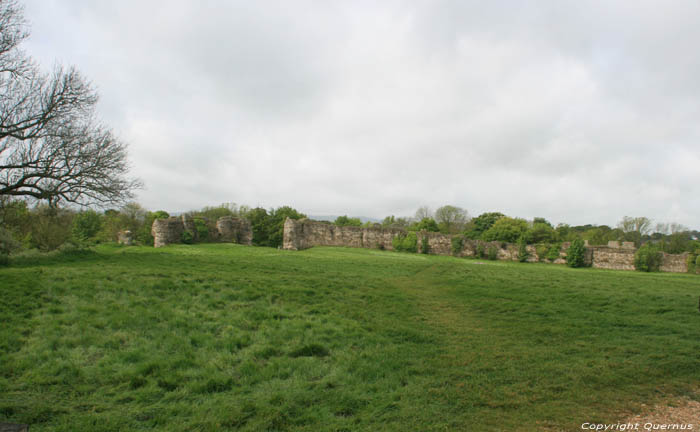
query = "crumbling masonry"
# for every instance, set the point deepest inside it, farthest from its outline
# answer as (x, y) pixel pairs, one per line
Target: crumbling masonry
(225, 229)
(304, 234)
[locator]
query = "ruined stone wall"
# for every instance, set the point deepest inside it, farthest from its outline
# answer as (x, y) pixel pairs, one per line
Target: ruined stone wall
(304, 234)
(167, 231)
(615, 258)
(236, 230)
(226, 229)
(676, 263)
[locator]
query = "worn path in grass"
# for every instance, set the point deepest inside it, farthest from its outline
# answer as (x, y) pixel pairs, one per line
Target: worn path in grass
(225, 337)
(553, 349)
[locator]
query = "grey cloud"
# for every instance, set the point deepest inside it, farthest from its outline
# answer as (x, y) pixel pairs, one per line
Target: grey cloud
(577, 111)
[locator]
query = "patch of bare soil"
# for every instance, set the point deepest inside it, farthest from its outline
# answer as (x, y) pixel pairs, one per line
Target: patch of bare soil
(671, 416)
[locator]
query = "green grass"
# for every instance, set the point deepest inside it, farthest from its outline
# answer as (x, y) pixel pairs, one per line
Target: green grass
(216, 337)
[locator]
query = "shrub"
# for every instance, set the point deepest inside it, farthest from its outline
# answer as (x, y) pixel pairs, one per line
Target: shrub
(425, 224)
(697, 263)
(492, 253)
(553, 252)
(647, 258)
(50, 227)
(86, 225)
(690, 262)
(347, 221)
(405, 243)
(523, 253)
(8, 244)
(576, 253)
(542, 250)
(480, 250)
(187, 237)
(425, 245)
(457, 244)
(202, 229)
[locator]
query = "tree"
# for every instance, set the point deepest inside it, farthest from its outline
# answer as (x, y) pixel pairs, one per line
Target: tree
(481, 224)
(425, 224)
(276, 224)
(540, 232)
(51, 145)
(422, 213)
(394, 222)
(347, 221)
(635, 227)
(451, 219)
(86, 225)
(506, 229)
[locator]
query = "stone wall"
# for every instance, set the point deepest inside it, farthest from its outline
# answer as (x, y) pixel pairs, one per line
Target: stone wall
(676, 263)
(616, 258)
(234, 230)
(304, 234)
(226, 229)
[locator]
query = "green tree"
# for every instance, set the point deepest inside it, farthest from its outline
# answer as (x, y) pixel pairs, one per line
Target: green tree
(425, 224)
(347, 221)
(481, 224)
(506, 229)
(541, 232)
(86, 225)
(276, 224)
(259, 220)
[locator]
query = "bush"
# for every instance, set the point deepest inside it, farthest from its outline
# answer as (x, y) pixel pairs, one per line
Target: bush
(553, 252)
(576, 253)
(50, 227)
(542, 250)
(347, 221)
(86, 225)
(8, 244)
(425, 224)
(697, 264)
(690, 262)
(492, 253)
(425, 245)
(202, 229)
(187, 237)
(405, 243)
(457, 244)
(523, 253)
(647, 258)
(480, 250)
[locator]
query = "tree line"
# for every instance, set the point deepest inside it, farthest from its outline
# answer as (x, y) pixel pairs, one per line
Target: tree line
(496, 226)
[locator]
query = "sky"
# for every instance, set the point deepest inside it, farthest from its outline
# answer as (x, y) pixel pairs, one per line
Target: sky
(576, 111)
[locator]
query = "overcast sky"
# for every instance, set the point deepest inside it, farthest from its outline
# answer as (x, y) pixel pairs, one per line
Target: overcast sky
(581, 112)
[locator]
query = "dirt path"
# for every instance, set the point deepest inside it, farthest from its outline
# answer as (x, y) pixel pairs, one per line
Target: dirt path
(681, 412)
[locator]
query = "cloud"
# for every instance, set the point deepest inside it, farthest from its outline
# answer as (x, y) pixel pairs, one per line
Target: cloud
(578, 112)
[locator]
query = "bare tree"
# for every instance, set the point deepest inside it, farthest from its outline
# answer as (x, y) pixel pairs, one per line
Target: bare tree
(51, 145)
(641, 225)
(422, 213)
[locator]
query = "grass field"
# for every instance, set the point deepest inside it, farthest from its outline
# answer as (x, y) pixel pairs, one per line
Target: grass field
(211, 337)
